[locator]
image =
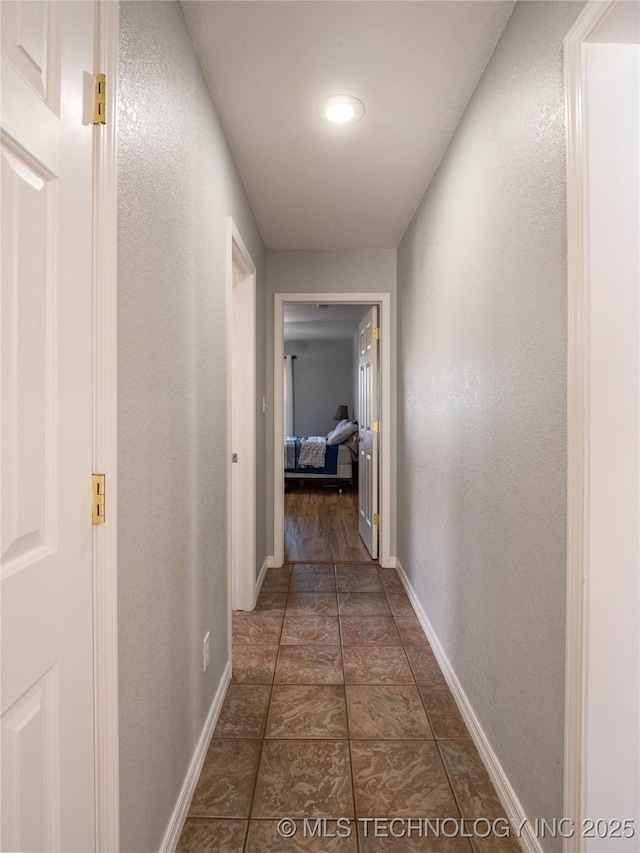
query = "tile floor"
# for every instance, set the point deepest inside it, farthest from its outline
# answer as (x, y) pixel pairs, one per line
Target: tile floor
(337, 709)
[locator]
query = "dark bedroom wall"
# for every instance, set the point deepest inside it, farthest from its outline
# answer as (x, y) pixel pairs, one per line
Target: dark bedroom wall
(322, 380)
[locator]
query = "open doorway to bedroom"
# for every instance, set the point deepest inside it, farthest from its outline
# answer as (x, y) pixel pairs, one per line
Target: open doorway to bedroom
(327, 416)
(322, 403)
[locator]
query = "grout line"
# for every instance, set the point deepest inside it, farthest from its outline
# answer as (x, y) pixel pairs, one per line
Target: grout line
(264, 728)
(453, 791)
(346, 706)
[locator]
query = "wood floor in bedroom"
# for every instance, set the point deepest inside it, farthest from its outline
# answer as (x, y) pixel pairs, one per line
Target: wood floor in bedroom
(321, 524)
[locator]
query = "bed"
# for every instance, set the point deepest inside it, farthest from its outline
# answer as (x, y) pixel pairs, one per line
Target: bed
(321, 457)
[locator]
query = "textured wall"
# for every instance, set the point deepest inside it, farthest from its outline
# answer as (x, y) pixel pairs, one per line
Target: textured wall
(482, 292)
(322, 380)
(177, 185)
(320, 271)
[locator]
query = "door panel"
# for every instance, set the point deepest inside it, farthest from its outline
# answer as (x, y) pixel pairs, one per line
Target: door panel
(369, 443)
(46, 185)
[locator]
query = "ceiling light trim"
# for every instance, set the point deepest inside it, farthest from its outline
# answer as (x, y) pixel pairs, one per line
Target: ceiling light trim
(341, 109)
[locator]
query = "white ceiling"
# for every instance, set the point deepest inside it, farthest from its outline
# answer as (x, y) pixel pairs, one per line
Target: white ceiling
(414, 64)
(304, 321)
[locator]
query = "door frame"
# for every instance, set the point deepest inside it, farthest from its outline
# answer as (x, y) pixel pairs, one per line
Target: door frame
(383, 301)
(105, 429)
(241, 579)
(579, 487)
(105, 419)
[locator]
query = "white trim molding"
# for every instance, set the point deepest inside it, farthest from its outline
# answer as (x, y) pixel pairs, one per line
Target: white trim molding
(241, 428)
(105, 459)
(601, 691)
(384, 301)
(179, 815)
(261, 577)
(508, 797)
(578, 414)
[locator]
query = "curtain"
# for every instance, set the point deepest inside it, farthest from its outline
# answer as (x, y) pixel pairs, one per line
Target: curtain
(288, 395)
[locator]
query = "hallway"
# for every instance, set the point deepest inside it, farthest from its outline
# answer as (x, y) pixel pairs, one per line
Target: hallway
(337, 709)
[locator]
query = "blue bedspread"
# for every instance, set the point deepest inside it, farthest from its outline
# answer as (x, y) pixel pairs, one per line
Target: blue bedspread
(331, 462)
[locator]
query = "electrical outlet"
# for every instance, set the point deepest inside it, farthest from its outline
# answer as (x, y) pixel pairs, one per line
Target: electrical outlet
(205, 652)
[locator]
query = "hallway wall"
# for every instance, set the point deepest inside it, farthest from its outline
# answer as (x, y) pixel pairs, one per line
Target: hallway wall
(177, 185)
(326, 271)
(482, 302)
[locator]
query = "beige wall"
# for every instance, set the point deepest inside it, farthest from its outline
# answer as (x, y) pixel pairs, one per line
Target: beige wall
(177, 185)
(482, 300)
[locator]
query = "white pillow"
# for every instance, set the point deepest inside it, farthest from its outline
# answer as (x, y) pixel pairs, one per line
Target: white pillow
(342, 432)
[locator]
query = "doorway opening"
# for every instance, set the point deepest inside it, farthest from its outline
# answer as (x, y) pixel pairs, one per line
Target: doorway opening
(326, 411)
(242, 425)
(329, 445)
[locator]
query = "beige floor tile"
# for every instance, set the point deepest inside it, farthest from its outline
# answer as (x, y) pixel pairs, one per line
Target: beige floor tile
(244, 711)
(390, 580)
(309, 665)
(496, 844)
(470, 780)
(257, 628)
(363, 604)
(276, 580)
(319, 603)
(369, 630)
(253, 664)
(310, 631)
(303, 778)
(411, 631)
(201, 835)
(227, 793)
(271, 601)
(386, 711)
(416, 840)
(265, 838)
(424, 665)
(313, 582)
(400, 604)
(307, 711)
(315, 568)
(376, 665)
(400, 779)
(365, 580)
(444, 716)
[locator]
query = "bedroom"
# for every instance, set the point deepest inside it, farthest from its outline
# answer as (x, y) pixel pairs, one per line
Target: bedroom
(328, 478)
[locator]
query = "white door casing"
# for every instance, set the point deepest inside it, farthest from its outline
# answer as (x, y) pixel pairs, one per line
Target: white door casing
(47, 586)
(242, 426)
(602, 704)
(368, 413)
(383, 302)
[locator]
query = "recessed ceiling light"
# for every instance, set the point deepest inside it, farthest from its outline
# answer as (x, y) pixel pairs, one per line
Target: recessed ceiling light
(341, 109)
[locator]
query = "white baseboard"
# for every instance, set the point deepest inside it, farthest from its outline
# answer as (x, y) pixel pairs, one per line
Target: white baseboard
(508, 797)
(176, 823)
(263, 571)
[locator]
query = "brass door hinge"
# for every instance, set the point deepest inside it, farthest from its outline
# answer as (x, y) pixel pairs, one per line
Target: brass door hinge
(376, 333)
(377, 426)
(98, 498)
(376, 520)
(100, 100)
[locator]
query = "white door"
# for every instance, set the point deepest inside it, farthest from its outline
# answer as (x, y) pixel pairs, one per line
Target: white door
(369, 437)
(47, 645)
